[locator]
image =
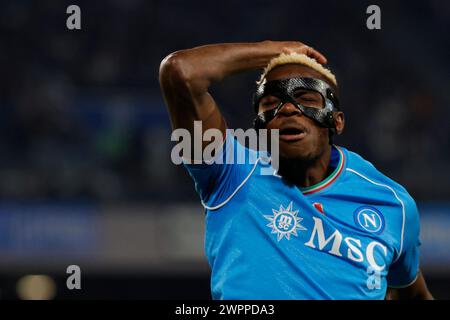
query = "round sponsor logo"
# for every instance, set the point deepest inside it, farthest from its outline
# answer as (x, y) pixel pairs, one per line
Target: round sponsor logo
(285, 222)
(369, 219)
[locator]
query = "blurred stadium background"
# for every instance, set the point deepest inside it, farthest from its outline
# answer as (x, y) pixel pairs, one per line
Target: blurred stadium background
(85, 170)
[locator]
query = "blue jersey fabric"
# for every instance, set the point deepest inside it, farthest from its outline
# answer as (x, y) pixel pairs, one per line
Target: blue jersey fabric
(348, 237)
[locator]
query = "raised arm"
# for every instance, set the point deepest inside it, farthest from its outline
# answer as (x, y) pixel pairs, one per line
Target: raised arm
(185, 76)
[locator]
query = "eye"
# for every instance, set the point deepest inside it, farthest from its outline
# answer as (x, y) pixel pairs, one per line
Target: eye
(269, 102)
(308, 98)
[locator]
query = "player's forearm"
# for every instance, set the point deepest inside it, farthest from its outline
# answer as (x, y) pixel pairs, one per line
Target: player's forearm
(200, 66)
(186, 75)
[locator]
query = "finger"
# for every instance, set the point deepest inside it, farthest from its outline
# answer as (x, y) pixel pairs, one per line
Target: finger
(311, 52)
(288, 51)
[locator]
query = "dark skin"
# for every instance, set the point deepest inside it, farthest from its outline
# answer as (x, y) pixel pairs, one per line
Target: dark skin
(185, 77)
(303, 161)
(416, 291)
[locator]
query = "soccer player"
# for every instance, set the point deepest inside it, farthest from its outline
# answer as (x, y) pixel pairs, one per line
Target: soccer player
(326, 224)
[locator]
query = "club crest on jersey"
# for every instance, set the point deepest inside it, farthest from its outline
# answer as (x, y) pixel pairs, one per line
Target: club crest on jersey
(369, 219)
(285, 222)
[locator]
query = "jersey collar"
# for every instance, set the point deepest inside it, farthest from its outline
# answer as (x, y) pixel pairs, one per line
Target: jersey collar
(337, 155)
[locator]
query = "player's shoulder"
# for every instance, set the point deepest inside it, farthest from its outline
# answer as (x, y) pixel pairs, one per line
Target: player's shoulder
(238, 164)
(362, 170)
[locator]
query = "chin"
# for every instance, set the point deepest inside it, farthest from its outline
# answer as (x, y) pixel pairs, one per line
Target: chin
(296, 151)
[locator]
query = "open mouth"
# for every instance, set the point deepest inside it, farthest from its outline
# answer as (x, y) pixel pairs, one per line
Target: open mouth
(292, 134)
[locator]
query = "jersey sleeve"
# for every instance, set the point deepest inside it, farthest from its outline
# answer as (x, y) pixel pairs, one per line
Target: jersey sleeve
(404, 270)
(217, 179)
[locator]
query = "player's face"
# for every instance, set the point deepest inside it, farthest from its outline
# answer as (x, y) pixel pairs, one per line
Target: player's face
(300, 137)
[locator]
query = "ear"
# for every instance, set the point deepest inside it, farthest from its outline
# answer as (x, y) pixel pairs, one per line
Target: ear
(339, 121)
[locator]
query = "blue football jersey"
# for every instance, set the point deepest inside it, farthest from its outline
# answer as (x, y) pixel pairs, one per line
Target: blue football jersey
(348, 237)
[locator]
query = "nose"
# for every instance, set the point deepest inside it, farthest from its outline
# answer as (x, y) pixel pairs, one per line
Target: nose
(288, 109)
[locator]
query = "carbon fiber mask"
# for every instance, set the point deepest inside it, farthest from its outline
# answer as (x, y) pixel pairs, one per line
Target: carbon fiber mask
(285, 91)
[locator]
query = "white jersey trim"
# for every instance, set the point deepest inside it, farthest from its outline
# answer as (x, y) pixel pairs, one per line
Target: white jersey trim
(406, 285)
(235, 191)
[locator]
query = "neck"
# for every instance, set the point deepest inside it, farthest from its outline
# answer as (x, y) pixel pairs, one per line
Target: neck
(306, 173)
